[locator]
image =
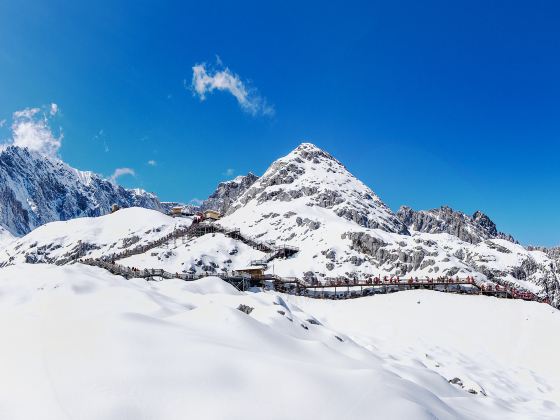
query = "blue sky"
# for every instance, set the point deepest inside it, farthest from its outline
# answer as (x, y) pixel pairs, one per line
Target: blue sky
(429, 103)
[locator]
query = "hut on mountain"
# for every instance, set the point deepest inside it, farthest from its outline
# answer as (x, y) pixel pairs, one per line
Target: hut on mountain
(212, 215)
(181, 211)
(177, 211)
(255, 271)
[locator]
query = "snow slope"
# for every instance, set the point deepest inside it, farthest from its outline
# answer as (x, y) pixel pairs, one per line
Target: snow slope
(5, 237)
(94, 236)
(79, 343)
(207, 254)
(504, 348)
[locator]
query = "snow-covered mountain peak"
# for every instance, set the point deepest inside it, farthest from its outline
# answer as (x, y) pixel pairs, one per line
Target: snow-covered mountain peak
(309, 151)
(311, 177)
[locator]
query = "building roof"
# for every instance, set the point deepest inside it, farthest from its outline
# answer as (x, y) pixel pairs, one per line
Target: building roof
(251, 268)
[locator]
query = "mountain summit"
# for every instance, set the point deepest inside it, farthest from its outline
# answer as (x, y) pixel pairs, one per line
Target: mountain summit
(312, 177)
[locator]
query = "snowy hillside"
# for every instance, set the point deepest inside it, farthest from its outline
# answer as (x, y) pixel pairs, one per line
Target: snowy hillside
(497, 347)
(62, 242)
(35, 190)
(84, 344)
(5, 237)
(205, 255)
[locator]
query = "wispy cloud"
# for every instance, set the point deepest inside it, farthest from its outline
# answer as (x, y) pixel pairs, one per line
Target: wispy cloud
(229, 172)
(152, 162)
(2, 123)
(31, 128)
(207, 80)
(120, 172)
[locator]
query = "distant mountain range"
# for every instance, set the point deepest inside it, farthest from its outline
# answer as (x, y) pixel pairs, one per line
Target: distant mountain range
(307, 199)
(35, 190)
(472, 229)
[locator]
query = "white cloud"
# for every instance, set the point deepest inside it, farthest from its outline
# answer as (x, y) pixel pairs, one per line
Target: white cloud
(206, 81)
(31, 128)
(120, 172)
(2, 123)
(229, 172)
(152, 162)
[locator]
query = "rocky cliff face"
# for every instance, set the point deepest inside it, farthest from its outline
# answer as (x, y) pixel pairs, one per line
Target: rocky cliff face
(35, 190)
(472, 229)
(228, 192)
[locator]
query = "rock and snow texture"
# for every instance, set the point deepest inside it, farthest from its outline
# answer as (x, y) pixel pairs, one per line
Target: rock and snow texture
(35, 190)
(311, 177)
(472, 229)
(506, 262)
(309, 200)
(63, 242)
(228, 192)
(208, 254)
(80, 343)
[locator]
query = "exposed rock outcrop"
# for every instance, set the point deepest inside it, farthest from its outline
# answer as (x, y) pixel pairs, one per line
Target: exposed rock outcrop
(472, 229)
(227, 192)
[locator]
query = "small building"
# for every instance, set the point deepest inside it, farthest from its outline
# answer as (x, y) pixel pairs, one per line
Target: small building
(181, 211)
(176, 211)
(212, 215)
(252, 270)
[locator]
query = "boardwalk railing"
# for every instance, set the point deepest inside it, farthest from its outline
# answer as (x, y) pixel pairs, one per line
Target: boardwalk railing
(343, 288)
(197, 230)
(241, 282)
(290, 284)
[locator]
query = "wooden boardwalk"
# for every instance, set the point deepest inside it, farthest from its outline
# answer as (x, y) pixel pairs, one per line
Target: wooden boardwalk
(330, 288)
